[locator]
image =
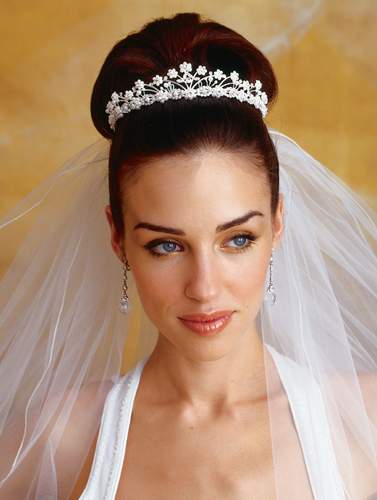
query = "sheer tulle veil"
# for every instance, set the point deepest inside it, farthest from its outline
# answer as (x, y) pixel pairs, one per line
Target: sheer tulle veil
(62, 336)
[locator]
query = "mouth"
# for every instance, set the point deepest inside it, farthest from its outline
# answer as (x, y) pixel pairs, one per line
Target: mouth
(207, 325)
(206, 316)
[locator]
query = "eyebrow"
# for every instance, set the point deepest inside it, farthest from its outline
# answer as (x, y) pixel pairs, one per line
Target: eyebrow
(219, 228)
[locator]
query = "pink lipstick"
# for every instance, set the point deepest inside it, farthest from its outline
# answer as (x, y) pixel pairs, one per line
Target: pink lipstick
(207, 324)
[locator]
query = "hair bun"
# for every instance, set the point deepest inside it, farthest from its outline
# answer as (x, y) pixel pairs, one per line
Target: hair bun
(164, 43)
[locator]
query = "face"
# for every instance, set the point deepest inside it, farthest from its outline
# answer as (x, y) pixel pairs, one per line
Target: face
(196, 263)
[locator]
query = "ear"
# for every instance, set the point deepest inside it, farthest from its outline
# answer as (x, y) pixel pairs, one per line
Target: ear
(278, 223)
(116, 243)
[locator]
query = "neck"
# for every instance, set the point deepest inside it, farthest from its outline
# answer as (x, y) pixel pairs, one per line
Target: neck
(207, 386)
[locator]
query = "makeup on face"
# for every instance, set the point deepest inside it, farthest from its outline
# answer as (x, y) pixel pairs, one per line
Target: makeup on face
(207, 327)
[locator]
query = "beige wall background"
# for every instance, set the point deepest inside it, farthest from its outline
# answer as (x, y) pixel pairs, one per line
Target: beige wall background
(323, 54)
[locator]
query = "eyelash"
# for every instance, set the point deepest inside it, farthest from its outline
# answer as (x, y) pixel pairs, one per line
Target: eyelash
(152, 244)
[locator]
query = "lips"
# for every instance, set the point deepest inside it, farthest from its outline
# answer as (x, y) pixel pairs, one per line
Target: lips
(207, 325)
(202, 317)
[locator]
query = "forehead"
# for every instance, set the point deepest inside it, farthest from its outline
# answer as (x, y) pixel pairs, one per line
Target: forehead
(205, 182)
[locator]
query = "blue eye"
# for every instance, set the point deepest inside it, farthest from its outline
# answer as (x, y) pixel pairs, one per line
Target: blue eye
(167, 245)
(242, 238)
(244, 241)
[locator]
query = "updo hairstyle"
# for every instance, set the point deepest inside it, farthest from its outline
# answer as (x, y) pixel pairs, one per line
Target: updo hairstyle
(182, 126)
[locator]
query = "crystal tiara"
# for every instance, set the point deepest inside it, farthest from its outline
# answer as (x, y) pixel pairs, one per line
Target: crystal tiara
(186, 86)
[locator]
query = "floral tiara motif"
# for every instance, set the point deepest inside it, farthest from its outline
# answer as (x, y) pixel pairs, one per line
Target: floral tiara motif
(186, 86)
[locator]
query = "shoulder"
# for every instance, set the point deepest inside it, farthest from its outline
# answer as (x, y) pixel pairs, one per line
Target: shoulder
(86, 412)
(83, 417)
(363, 466)
(367, 382)
(368, 386)
(81, 430)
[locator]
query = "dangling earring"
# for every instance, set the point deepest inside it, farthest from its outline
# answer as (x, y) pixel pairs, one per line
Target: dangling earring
(271, 295)
(123, 304)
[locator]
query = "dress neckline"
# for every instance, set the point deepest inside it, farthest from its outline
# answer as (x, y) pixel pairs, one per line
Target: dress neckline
(306, 405)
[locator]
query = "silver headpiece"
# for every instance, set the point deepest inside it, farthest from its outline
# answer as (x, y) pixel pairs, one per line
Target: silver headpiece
(186, 86)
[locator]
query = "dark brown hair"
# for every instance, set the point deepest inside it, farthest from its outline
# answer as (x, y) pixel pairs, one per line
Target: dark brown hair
(182, 126)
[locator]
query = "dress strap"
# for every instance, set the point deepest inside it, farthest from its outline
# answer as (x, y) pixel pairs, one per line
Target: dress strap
(308, 410)
(112, 438)
(306, 405)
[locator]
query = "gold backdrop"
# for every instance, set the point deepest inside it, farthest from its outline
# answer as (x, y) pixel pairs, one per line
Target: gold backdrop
(323, 54)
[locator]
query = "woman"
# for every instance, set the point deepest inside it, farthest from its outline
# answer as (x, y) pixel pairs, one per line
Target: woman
(252, 284)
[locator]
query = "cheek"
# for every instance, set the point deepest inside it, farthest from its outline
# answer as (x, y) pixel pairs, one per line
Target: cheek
(157, 289)
(249, 282)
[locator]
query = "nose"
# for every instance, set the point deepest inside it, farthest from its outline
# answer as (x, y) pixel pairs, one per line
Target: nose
(205, 279)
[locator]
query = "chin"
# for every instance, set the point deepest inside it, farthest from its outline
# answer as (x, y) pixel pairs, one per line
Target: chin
(205, 353)
(213, 348)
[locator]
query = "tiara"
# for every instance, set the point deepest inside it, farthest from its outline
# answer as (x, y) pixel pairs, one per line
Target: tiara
(186, 86)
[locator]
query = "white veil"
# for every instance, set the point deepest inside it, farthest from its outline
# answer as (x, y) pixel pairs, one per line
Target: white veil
(62, 337)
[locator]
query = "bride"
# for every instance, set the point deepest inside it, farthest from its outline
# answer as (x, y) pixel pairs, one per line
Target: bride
(245, 275)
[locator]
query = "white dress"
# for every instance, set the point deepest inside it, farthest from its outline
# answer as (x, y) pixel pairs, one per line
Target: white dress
(306, 405)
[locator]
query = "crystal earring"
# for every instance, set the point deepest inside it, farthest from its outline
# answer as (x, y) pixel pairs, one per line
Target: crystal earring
(271, 295)
(124, 304)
